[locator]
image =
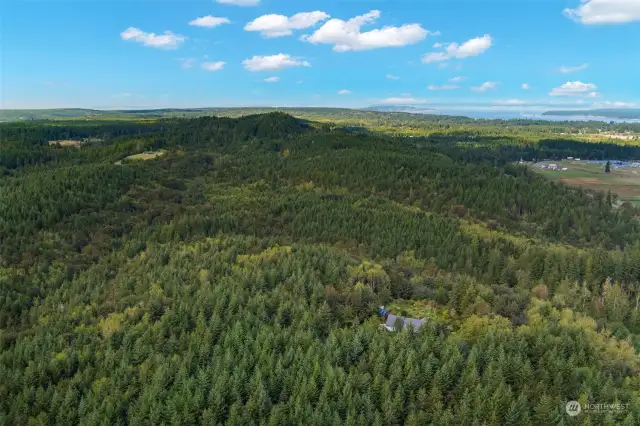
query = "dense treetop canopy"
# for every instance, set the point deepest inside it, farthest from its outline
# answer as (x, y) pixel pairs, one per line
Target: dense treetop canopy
(236, 279)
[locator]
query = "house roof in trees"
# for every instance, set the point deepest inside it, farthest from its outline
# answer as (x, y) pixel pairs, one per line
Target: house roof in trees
(391, 322)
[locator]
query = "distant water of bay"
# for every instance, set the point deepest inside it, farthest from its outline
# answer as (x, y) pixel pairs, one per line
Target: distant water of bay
(509, 115)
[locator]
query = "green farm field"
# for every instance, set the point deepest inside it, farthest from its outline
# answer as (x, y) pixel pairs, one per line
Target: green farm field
(623, 181)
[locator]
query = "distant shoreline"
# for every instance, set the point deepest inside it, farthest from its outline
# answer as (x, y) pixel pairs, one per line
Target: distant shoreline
(617, 116)
(587, 117)
(600, 114)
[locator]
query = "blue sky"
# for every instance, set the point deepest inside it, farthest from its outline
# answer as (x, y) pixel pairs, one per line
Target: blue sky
(455, 53)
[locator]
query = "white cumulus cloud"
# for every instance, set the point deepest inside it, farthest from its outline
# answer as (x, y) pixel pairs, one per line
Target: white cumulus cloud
(272, 79)
(209, 21)
(573, 88)
(393, 77)
(608, 104)
(213, 66)
(347, 35)
(344, 92)
(240, 2)
(605, 11)
(569, 70)
(473, 47)
(186, 63)
(443, 87)
(484, 87)
(456, 79)
(594, 95)
(273, 63)
(526, 86)
(168, 40)
(279, 25)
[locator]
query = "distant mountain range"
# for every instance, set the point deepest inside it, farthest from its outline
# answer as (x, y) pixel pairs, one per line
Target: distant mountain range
(622, 114)
(401, 108)
(7, 115)
(79, 113)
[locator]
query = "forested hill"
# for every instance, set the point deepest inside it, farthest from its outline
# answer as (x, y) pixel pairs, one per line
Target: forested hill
(410, 118)
(235, 278)
(28, 143)
(274, 124)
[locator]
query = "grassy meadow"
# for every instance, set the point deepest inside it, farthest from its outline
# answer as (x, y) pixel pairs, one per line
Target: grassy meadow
(623, 181)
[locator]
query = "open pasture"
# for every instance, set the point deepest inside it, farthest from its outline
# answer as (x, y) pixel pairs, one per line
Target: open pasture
(623, 181)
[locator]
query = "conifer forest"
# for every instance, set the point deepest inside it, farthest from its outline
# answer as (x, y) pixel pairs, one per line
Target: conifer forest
(230, 271)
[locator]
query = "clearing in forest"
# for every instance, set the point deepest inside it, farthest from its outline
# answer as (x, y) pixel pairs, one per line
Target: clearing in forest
(148, 155)
(77, 144)
(623, 181)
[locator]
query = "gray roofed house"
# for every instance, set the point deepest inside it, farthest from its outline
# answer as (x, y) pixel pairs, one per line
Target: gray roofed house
(406, 322)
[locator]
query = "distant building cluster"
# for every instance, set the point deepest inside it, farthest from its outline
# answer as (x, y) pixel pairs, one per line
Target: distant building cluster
(552, 166)
(545, 165)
